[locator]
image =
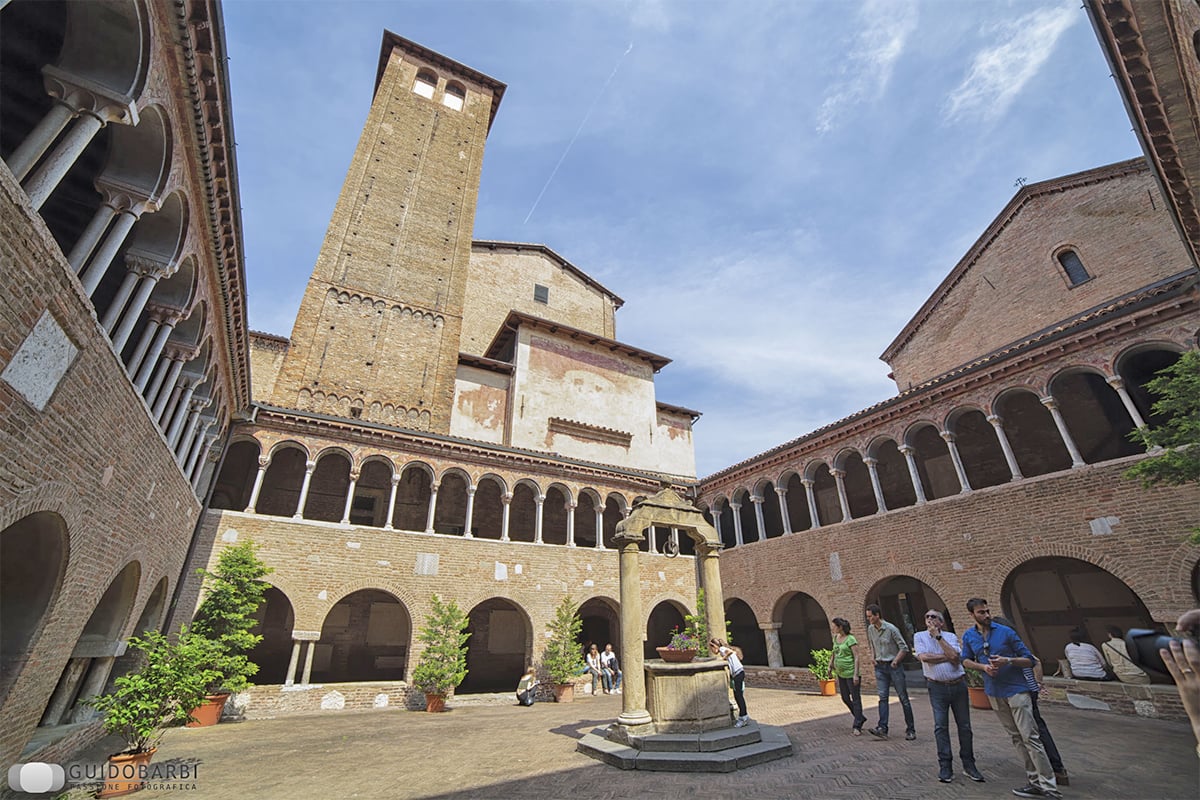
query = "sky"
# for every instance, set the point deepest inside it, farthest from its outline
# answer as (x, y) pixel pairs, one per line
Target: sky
(774, 188)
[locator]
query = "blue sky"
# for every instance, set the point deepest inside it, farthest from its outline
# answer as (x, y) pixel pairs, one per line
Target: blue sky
(773, 188)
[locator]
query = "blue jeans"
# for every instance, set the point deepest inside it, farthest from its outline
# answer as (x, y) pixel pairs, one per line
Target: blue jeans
(887, 676)
(945, 698)
(852, 697)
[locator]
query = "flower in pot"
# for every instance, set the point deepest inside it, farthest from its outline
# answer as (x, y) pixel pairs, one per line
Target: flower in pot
(683, 647)
(162, 691)
(975, 689)
(443, 663)
(232, 595)
(821, 667)
(561, 659)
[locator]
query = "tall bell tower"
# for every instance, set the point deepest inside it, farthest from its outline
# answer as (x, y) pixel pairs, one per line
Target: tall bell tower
(377, 335)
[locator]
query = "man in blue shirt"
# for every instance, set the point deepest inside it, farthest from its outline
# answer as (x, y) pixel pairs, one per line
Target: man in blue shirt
(1001, 656)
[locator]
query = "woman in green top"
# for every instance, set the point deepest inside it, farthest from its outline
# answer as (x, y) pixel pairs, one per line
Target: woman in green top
(846, 668)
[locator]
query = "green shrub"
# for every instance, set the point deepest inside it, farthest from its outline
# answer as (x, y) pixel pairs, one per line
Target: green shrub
(443, 662)
(562, 660)
(822, 664)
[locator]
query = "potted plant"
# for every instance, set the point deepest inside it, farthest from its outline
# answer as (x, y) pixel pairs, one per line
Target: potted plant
(975, 691)
(561, 659)
(232, 595)
(683, 647)
(171, 680)
(821, 668)
(443, 662)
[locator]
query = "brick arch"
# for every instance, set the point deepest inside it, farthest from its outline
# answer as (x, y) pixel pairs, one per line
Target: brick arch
(531, 483)
(334, 449)
(495, 478)
(1180, 563)
(146, 586)
(468, 601)
(293, 443)
(894, 569)
(839, 459)
(780, 603)
(348, 588)
(567, 494)
(953, 415)
(689, 607)
(377, 458)
(301, 606)
(421, 465)
(1083, 368)
(53, 496)
(915, 426)
(1111, 565)
(460, 472)
(1142, 345)
(812, 466)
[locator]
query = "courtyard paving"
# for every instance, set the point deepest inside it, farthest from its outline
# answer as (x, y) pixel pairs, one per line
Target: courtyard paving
(502, 752)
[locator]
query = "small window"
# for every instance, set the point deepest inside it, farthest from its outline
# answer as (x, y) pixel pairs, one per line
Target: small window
(454, 97)
(1076, 273)
(541, 294)
(425, 83)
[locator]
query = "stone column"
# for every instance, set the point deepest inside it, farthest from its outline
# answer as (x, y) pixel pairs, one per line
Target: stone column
(188, 388)
(143, 345)
(387, 526)
(161, 388)
(85, 245)
(1060, 423)
(263, 463)
(308, 659)
(309, 468)
(295, 662)
(144, 365)
(716, 518)
(839, 478)
(433, 491)
(633, 697)
(470, 513)
(781, 493)
(149, 275)
(737, 523)
(774, 650)
(118, 303)
(350, 496)
(46, 179)
(964, 485)
(811, 497)
(203, 450)
(757, 500)
(599, 529)
(538, 502)
(107, 250)
(570, 524)
(184, 443)
(39, 139)
(651, 540)
(1118, 383)
(998, 424)
(710, 578)
(197, 444)
(506, 507)
(873, 470)
(914, 476)
(675, 538)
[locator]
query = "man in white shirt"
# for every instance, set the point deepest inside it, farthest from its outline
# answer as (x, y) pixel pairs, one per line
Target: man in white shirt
(939, 652)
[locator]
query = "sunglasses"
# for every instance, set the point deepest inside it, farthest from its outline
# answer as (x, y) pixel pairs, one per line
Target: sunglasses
(932, 616)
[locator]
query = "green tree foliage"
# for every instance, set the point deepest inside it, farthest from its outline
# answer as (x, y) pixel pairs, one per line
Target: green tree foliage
(695, 626)
(443, 662)
(232, 595)
(822, 664)
(1177, 389)
(171, 681)
(562, 660)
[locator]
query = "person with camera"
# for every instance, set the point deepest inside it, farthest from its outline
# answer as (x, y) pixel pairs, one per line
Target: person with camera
(1001, 656)
(890, 649)
(939, 652)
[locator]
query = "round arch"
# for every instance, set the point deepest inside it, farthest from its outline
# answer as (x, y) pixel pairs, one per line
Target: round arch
(500, 647)
(275, 620)
(904, 599)
(804, 627)
(745, 633)
(365, 637)
(664, 618)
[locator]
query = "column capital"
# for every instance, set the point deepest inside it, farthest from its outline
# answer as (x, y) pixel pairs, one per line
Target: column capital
(264, 462)
(164, 314)
(1049, 402)
(756, 499)
(85, 96)
(396, 478)
(179, 352)
(870, 461)
(807, 483)
(1116, 382)
(354, 473)
(781, 491)
(471, 491)
(947, 436)
(736, 506)
(770, 626)
(570, 505)
(433, 488)
(996, 420)
(148, 265)
(310, 467)
(906, 449)
(539, 499)
(506, 498)
(837, 473)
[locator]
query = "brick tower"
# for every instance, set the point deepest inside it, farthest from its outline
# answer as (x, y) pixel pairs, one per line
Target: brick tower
(377, 335)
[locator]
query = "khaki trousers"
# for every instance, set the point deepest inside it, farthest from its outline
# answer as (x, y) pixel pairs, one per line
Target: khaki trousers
(1016, 715)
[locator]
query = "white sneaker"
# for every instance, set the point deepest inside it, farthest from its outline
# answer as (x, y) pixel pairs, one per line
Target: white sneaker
(741, 722)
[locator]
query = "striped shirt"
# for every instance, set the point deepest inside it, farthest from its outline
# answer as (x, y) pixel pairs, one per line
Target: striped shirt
(943, 670)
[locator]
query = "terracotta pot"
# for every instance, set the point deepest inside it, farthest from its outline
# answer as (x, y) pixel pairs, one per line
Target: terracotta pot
(978, 698)
(125, 773)
(435, 703)
(676, 656)
(564, 692)
(208, 712)
(828, 688)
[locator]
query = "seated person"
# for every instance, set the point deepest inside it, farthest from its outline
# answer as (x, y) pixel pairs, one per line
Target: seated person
(612, 669)
(1085, 660)
(1117, 655)
(525, 687)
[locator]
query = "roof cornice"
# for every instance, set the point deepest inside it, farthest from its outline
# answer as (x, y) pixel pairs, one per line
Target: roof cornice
(487, 244)
(516, 320)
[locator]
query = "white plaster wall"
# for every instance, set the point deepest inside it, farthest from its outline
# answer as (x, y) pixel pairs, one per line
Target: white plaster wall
(480, 405)
(558, 377)
(674, 447)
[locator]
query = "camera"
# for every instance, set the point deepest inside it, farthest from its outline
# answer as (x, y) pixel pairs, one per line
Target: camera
(1143, 645)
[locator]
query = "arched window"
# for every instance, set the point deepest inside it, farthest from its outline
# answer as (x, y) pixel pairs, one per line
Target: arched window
(455, 96)
(1073, 266)
(425, 83)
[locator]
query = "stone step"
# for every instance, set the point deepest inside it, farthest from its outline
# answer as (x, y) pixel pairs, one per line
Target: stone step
(707, 742)
(773, 745)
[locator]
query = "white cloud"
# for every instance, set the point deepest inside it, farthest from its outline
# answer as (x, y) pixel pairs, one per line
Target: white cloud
(999, 72)
(886, 27)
